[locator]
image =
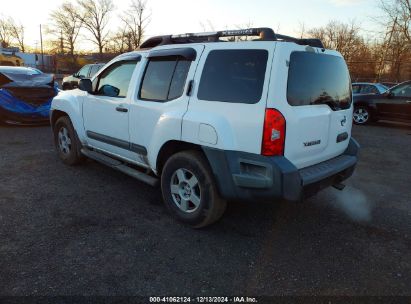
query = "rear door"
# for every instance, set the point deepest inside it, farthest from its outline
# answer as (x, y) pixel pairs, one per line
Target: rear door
(161, 99)
(228, 100)
(312, 89)
(397, 104)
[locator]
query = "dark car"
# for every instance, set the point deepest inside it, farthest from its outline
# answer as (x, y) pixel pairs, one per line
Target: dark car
(25, 95)
(394, 104)
(87, 71)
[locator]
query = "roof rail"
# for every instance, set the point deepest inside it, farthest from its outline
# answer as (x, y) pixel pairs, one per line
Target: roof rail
(263, 34)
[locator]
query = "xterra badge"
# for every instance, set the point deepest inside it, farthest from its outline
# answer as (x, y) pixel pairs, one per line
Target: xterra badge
(312, 143)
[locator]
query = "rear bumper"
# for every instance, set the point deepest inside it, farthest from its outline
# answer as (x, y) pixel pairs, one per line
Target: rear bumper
(246, 176)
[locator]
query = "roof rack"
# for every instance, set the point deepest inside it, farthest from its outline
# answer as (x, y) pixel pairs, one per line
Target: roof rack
(263, 34)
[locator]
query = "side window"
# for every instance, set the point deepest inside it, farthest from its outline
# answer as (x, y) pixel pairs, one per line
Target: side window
(235, 76)
(114, 81)
(369, 89)
(402, 90)
(83, 72)
(356, 88)
(164, 79)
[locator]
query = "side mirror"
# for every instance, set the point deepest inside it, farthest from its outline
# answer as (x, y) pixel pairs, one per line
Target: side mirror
(109, 90)
(86, 85)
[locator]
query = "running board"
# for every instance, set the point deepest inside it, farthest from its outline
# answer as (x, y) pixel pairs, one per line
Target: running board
(120, 166)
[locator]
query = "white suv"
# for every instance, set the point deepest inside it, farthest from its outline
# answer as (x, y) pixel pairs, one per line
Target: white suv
(213, 120)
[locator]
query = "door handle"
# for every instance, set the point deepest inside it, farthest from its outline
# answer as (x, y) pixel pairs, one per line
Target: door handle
(190, 87)
(121, 109)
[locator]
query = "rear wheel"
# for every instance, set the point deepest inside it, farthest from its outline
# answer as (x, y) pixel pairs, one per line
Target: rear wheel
(189, 190)
(66, 141)
(361, 115)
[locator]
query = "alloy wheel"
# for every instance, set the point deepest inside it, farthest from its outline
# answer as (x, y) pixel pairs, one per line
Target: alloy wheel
(185, 190)
(361, 116)
(64, 140)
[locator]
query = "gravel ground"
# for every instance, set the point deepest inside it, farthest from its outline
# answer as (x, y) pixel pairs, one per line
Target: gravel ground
(90, 230)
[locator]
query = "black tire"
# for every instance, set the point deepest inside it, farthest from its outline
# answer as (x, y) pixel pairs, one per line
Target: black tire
(210, 206)
(362, 115)
(70, 152)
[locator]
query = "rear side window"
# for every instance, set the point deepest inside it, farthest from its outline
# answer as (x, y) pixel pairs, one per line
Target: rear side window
(235, 76)
(369, 89)
(318, 79)
(164, 79)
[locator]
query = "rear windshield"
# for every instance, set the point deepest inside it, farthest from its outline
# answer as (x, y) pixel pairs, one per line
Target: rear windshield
(318, 79)
(235, 76)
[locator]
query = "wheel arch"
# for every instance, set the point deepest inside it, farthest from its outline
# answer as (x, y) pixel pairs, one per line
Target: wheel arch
(172, 147)
(55, 115)
(69, 103)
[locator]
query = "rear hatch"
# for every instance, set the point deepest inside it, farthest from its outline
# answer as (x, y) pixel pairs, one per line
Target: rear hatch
(312, 89)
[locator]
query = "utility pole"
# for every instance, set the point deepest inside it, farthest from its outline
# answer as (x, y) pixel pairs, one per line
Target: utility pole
(41, 46)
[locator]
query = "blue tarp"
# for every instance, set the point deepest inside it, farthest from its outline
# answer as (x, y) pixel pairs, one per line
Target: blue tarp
(15, 105)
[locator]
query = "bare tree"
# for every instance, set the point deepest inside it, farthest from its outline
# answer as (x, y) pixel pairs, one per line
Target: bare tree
(94, 15)
(397, 13)
(66, 28)
(346, 38)
(135, 19)
(207, 26)
(120, 41)
(5, 32)
(17, 32)
(302, 29)
(343, 37)
(395, 49)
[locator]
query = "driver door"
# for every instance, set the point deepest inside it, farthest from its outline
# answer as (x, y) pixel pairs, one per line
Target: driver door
(397, 104)
(106, 112)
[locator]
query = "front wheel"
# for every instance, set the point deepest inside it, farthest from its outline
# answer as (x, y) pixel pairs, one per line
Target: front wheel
(361, 115)
(66, 141)
(189, 190)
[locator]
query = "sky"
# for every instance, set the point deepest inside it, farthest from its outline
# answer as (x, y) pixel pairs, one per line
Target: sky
(183, 16)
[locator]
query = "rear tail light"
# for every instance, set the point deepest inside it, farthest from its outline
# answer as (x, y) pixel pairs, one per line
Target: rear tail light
(273, 133)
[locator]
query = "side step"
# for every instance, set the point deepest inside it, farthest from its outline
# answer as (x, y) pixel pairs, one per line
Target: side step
(120, 166)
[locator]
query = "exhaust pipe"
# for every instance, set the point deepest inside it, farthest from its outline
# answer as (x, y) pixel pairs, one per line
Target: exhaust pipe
(339, 186)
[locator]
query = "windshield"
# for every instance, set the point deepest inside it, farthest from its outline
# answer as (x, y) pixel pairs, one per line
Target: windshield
(318, 79)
